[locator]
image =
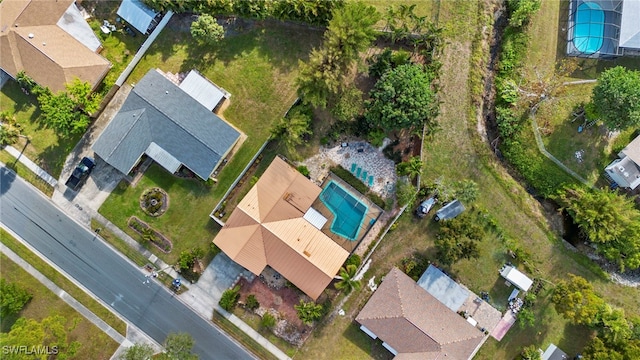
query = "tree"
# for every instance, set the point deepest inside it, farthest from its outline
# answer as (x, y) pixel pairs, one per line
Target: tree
(615, 327)
(450, 250)
(609, 220)
(521, 11)
(526, 318)
(229, 298)
(597, 350)
(206, 30)
(466, 190)
(178, 346)
(51, 332)
(80, 93)
(138, 352)
(347, 281)
(616, 98)
(293, 128)
(405, 192)
(411, 168)
(351, 29)
(9, 129)
(530, 353)
(12, 298)
(576, 300)
(309, 312)
(402, 99)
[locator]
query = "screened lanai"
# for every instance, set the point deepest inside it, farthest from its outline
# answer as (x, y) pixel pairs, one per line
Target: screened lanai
(594, 28)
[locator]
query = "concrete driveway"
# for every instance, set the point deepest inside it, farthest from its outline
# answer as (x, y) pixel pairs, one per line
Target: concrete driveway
(103, 179)
(219, 276)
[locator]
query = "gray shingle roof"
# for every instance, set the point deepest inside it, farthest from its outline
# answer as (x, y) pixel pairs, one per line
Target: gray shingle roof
(158, 111)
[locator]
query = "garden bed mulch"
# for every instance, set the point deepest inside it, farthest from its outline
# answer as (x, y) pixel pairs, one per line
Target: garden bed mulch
(159, 240)
(280, 303)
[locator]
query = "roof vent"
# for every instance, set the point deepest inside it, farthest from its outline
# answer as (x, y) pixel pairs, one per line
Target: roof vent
(621, 168)
(306, 253)
(166, 91)
(626, 174)
(44, 44)
(31, 35)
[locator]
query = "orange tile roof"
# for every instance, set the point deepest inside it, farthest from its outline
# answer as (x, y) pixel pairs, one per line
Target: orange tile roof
(30, 41)
(267, 228)
(416, 324)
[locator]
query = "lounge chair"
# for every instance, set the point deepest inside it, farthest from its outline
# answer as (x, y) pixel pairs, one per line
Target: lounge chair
(364, 175)
(370, 180)
(353, 167)
(358, 172)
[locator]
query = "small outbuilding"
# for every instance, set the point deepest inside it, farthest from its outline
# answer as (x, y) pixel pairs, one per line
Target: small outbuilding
(554, 353)
(515, 277)
(450, 211)
(138, 15)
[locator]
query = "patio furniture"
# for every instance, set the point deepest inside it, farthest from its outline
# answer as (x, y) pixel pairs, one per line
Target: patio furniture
(364, 175)
(353, 167)
(370, 180)
(358, 172)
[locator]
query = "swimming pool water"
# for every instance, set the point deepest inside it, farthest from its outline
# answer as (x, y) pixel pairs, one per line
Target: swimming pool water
(348, 212)
(588, 31)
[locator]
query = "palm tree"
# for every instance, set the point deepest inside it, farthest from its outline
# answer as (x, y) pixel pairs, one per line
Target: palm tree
(347, 279)
(9, 129)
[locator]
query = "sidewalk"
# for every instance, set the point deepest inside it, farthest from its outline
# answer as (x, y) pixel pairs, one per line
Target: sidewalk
(31, 165)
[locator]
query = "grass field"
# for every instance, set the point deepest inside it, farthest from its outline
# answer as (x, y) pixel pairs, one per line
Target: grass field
(519, 215)
(257, 66)
(45, 147)
(95, 344)
(63, 282)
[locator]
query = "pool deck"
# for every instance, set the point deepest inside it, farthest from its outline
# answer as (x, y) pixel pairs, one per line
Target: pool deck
(366, 157)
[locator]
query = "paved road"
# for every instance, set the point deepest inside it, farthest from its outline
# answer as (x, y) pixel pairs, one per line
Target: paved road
(105, 273)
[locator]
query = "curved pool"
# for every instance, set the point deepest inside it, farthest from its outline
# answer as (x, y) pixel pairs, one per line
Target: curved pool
(348, 212)
(588, 31)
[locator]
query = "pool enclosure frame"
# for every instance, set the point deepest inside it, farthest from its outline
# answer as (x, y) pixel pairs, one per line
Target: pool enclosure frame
(612, 10)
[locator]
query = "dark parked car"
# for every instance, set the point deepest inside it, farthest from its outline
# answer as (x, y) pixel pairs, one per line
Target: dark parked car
(425, 206)
(81, 173)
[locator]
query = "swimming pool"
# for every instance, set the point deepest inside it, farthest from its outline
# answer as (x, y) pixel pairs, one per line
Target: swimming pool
(589, 28)
(348, 212)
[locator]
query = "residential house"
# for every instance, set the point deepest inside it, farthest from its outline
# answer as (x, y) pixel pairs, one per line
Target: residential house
(139, 15)
(51, 42)
(160, 120)
(413, 324)
(625, 170)
(274, 225)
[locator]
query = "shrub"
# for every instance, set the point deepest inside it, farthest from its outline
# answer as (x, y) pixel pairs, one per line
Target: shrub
(303, 170)
(354, 259)
(376, 137)
(376, 199)
(268, 321)
(252, 302)
(230, 298)
(12, 298)
(349, 178)
(309, 312)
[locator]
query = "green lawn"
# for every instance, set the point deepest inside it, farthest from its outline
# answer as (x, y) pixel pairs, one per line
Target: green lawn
(95, 344)
(25, 173)
(45, 147)
(65, 284)
(257, 66)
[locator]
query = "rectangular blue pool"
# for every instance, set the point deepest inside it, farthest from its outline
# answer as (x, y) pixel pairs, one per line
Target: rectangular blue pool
(348, 212)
